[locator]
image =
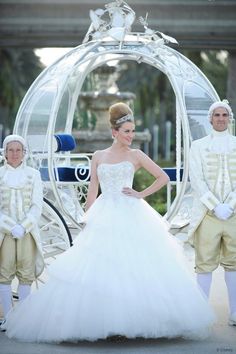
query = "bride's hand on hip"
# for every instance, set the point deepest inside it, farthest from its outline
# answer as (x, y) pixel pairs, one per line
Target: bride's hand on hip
(131, 192)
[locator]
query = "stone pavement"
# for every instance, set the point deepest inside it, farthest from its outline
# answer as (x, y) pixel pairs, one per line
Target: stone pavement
(221, 340)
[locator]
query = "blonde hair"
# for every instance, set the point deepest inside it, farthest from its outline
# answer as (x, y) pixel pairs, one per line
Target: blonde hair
(117, 111)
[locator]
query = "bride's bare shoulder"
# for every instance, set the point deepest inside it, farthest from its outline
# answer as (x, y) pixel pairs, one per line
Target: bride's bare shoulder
(137, 153)
(99, 154)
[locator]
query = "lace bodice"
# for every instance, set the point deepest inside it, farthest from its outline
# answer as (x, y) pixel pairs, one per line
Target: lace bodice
(113, 177)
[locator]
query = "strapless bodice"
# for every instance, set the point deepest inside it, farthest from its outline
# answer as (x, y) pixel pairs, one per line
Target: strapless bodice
(114, 177)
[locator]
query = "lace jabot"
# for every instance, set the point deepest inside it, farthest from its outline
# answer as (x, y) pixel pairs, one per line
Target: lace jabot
(221, 142)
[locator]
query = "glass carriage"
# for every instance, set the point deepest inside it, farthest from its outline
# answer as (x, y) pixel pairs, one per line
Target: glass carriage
(45, 117)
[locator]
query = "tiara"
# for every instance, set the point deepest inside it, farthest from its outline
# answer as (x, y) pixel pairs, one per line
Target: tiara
(127, 118)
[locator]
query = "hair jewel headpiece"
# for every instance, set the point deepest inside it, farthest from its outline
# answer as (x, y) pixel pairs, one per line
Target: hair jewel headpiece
(126, 118)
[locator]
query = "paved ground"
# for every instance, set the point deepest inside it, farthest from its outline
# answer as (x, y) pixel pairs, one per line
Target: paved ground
(221, 340)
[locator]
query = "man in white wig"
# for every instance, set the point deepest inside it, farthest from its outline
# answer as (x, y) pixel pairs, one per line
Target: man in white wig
(213, 226)
(21, 199)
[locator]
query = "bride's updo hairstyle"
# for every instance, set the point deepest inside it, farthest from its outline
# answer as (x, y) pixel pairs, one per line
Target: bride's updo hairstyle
(120, 113)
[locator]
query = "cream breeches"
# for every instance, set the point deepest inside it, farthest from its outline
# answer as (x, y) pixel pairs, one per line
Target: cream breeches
(17, 258)
(215, 244)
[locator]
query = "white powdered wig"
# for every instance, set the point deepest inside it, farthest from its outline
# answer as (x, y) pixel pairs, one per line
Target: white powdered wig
(222, 104)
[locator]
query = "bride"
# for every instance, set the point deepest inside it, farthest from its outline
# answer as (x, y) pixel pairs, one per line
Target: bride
(125, 275)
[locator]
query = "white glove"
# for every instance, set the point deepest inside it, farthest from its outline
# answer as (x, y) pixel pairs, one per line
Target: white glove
(18, 231)
(223, 211)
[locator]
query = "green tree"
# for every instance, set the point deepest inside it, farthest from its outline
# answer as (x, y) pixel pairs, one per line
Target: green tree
(215, 67)
(19, 68)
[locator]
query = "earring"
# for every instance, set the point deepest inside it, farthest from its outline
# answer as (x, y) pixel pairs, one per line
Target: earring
(114, 139)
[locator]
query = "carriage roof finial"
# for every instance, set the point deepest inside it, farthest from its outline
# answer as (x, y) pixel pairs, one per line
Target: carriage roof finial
(116, 21)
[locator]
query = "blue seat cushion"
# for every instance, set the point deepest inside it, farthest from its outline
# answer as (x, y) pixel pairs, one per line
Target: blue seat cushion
(66, 174)
(171, 172)
(65, 142)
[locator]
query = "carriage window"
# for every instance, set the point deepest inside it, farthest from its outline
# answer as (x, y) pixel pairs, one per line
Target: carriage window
(197, 102)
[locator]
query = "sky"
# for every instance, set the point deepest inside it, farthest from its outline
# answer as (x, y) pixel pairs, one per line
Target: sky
(49, 55)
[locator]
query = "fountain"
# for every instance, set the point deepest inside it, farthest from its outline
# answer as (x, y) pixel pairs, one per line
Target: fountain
(97, 103)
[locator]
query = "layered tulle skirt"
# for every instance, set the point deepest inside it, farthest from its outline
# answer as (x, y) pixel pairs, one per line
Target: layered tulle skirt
(125, 275)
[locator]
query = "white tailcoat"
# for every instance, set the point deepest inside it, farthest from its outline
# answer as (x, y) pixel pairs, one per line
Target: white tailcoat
(21, 200)
(212, 174)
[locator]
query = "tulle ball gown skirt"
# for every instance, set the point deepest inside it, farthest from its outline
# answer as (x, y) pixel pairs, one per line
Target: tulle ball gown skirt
(125, 275)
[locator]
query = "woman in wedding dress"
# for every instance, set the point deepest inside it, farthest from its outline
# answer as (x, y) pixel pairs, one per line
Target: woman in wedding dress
(125, 275)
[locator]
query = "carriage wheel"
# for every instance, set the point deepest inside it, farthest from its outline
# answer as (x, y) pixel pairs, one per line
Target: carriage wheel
(54, 231)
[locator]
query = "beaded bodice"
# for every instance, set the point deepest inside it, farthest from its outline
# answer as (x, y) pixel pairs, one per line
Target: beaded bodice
(114, 177)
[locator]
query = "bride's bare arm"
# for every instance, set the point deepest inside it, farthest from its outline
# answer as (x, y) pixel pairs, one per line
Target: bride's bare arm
(161, 177)
(93, 185)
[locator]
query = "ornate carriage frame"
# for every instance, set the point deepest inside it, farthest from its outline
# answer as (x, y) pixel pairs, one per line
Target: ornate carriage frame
(48, 107)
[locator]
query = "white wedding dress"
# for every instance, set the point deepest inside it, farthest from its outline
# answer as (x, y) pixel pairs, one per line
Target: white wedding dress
(125, 275)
